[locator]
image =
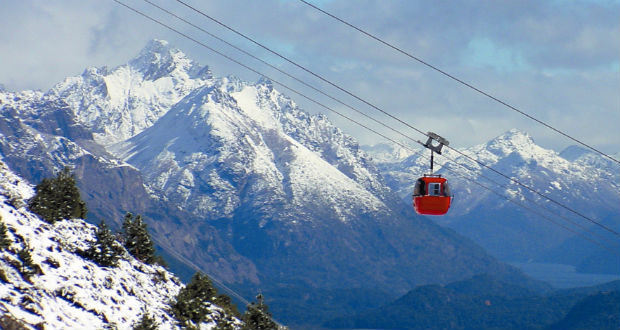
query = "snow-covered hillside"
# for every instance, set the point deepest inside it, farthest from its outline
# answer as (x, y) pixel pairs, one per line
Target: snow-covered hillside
(70, 292)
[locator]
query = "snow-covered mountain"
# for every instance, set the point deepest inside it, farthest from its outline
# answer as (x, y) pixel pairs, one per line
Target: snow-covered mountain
(222, 147)
(577, 178)
(69, 292)
(119, 103)
(40, 135)
(234, 176)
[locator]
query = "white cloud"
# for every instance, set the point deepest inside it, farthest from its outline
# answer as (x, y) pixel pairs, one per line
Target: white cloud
(555, 60)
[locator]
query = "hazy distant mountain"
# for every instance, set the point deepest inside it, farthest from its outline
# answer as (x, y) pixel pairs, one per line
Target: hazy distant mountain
(483, 302)
(577, 178)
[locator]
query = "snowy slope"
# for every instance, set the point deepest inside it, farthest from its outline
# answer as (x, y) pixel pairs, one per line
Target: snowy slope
(196, 148)
(70, 292)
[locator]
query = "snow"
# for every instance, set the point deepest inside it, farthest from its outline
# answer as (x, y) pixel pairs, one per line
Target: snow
(71, 292)
(250, 138)
(247, 99)
(569, 176)
(120, 103)
(196, 138)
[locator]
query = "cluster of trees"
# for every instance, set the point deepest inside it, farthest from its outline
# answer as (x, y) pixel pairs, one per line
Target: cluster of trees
(59, 198)
(192, 304)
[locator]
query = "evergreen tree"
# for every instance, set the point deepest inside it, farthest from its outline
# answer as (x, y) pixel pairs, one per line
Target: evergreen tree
(224, 302)
(105, 251)
(146, 323)
(192, 302)
(28, 266)
(58, 198)
(137, 239)
(5, 241)
(257, 316)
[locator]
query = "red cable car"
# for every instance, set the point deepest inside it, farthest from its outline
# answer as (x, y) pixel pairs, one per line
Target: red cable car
(431, 193)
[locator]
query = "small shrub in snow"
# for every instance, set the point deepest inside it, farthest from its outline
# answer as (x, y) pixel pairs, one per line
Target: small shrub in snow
(52, 262)
(28, 268)
(225, 322)
(7, 321)
(108, 282)
(5, 240)
(105, 251)
(3, 276)
(146, 323)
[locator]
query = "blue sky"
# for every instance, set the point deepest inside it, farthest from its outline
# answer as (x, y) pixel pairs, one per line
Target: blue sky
(556, 60)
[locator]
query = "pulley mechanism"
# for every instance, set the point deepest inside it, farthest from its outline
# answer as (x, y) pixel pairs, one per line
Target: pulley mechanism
(435, 148)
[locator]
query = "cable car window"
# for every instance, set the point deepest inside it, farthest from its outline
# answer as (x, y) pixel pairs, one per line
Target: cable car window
(434, 189)
(446, 189)
(418, 189)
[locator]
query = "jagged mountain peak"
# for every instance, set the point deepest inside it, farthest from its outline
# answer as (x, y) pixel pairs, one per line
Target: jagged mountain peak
(158, 59)
(511, 141)
(574, 152)
(121, 102)
(248, 140)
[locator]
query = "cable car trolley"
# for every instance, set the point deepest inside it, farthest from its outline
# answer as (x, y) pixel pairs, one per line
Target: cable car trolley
(431, 194)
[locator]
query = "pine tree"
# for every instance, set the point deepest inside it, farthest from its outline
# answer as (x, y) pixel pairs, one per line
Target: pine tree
(192, 303)
(5, 241)
(224, 302)
(137, 239)
(257, 316)
(146, 323)
(58, 198)
(105, 251)
(28, 266)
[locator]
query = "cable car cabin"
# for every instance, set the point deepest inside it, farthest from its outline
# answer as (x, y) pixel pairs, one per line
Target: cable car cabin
(431, 195)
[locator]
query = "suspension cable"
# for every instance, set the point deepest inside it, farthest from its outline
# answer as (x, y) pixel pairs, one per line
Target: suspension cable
(385, 112)
(496, 99)
(340, 101)
(336, 112)
(300, 66)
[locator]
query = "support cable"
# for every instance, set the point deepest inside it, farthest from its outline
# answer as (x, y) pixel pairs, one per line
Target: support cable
(342, 103)
(459, 80)
(336, 112)
(386, 113)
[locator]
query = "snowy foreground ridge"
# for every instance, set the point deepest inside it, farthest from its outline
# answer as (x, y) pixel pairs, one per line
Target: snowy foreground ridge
(70, 292)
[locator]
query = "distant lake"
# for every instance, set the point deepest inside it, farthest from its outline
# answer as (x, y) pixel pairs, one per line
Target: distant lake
(563, 276)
